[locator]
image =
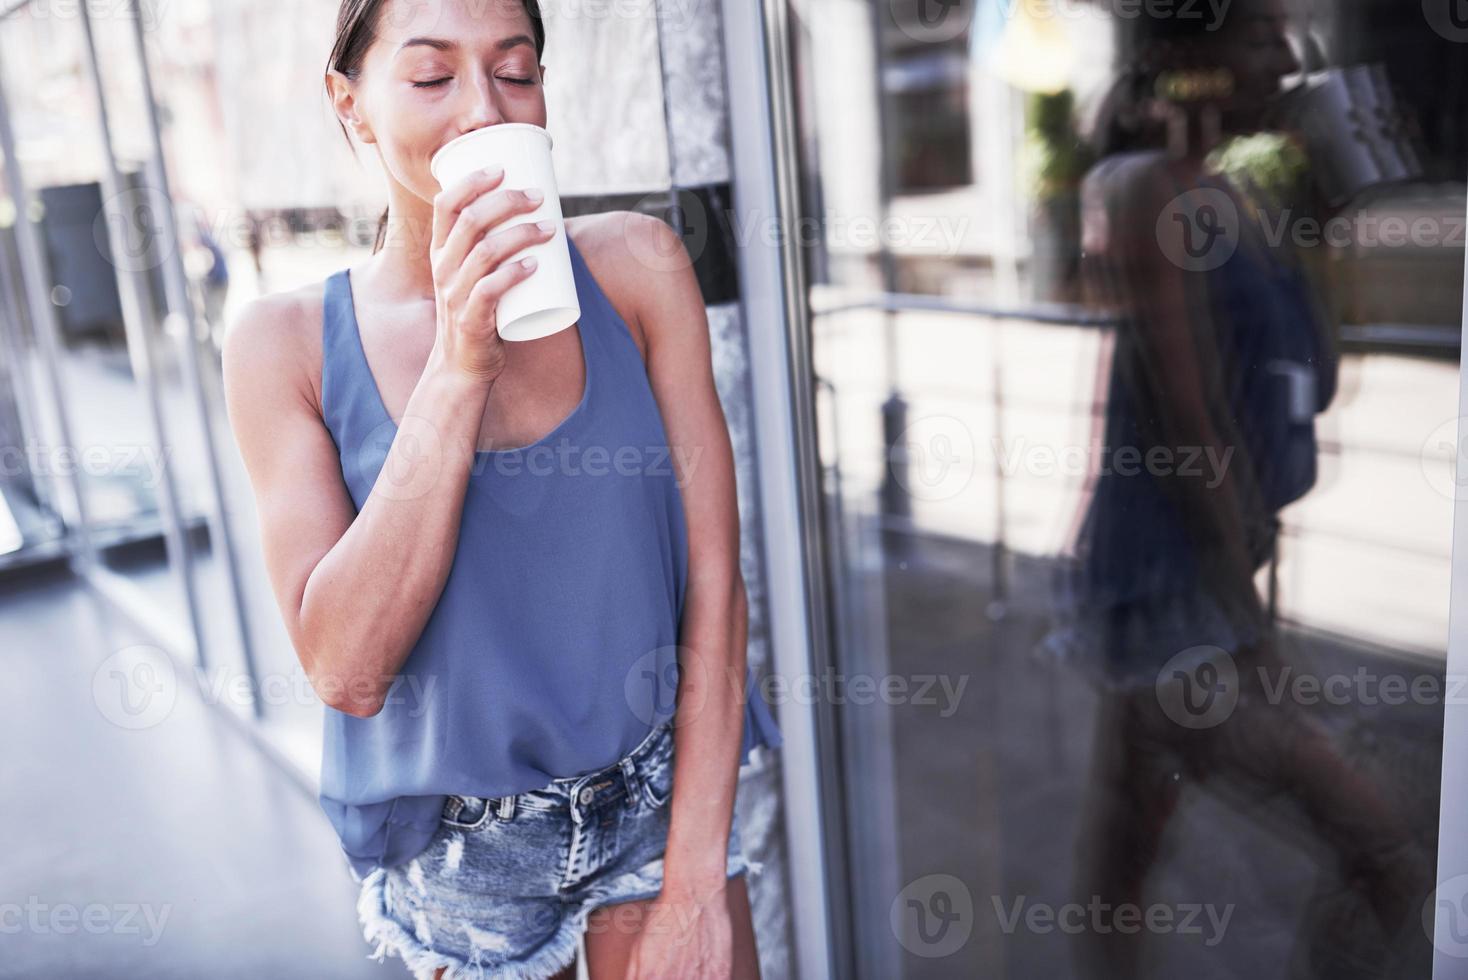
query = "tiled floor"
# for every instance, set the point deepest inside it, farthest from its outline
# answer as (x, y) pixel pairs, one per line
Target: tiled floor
(171, 850)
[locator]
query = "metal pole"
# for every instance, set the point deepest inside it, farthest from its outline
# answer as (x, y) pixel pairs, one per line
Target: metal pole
(27, 402)
(761, 150)
(179, 304)
(35, 284)
(894, 500)
(1447, 898)
(140, 349)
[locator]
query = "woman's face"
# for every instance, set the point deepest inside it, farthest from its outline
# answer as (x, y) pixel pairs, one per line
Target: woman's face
(437, 70)
(1258, 53)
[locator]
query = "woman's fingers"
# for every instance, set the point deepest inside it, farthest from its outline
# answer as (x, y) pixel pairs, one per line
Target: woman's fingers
(471, 267)
(485, 296)
(478, 217)
(450, 201)
(490, 252)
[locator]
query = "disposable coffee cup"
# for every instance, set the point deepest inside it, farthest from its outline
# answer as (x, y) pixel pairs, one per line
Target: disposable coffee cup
(545, 301)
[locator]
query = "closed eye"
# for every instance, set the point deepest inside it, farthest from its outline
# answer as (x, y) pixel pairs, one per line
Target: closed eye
(439, 81)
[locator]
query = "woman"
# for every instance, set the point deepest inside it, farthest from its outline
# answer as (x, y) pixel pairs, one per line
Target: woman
(505, 638)
(1220, 361)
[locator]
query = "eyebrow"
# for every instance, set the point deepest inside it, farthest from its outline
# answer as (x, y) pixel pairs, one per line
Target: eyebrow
(445, 44)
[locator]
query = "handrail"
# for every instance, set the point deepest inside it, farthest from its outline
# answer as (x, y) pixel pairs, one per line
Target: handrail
(1056, 313)
(1427, 337)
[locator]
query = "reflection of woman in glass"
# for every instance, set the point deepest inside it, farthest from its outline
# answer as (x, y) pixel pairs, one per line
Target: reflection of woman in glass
(1220, 361)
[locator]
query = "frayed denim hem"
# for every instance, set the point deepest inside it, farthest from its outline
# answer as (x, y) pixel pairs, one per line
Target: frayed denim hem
(745, 867)
(377, 926)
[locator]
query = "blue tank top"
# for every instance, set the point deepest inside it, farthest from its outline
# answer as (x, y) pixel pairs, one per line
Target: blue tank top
(552, 650)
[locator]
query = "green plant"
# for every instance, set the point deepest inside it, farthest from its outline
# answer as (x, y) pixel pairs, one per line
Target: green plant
(1055, 157)
(1270, 165)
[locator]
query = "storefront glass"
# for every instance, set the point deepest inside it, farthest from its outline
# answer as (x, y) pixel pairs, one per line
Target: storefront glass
(1135, 332)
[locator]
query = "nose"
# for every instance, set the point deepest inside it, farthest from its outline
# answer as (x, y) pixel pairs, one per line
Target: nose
(1291, 62)
(1287, 63)
(481, 106)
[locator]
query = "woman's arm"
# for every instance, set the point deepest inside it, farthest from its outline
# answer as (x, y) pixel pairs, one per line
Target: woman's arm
(355, 589)
(710, 714)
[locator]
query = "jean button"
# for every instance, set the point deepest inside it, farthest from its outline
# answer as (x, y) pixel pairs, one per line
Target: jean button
(586, 794)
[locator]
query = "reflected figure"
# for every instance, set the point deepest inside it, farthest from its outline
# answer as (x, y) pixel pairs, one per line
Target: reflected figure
(255, 244)
(209, 271)
(1221, 359)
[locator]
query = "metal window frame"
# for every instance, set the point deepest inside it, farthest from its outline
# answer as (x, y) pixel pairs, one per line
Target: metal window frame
(772, 291)
(757, 46)
(1452, 843)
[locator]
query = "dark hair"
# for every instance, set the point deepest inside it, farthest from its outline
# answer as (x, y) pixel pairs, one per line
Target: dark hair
(356, 29)
(1169, 58)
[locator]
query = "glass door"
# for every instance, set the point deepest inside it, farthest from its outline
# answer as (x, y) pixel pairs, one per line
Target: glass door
(1134, 339)
(104, 341)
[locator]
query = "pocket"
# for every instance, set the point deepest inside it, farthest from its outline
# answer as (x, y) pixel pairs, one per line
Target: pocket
(466, 812)
(657, 774)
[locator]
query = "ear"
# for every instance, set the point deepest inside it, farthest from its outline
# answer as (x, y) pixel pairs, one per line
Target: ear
(348, 110)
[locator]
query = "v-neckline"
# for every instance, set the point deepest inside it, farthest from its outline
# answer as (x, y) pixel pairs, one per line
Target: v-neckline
(382, 411)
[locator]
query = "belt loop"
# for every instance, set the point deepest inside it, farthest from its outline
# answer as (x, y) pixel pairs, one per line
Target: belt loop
(507, 806)
(630, 778)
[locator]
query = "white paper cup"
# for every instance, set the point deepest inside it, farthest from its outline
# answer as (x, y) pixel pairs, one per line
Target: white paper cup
(544, 301)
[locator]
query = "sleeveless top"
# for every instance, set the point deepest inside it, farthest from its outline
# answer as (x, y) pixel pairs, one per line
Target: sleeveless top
(552, 650)
(1135, 593)
(1260, 334)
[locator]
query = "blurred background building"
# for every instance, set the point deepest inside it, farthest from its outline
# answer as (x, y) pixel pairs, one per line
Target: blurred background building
(886, 203)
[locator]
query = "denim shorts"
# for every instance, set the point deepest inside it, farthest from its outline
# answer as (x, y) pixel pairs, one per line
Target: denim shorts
(506, 884)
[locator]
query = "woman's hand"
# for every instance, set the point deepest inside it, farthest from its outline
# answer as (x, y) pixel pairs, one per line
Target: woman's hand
(470, 271)
(685, 937)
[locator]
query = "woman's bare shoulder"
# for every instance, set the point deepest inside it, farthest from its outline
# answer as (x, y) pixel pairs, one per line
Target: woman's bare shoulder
(273, 344)
(610, 242)
(1141, 176)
